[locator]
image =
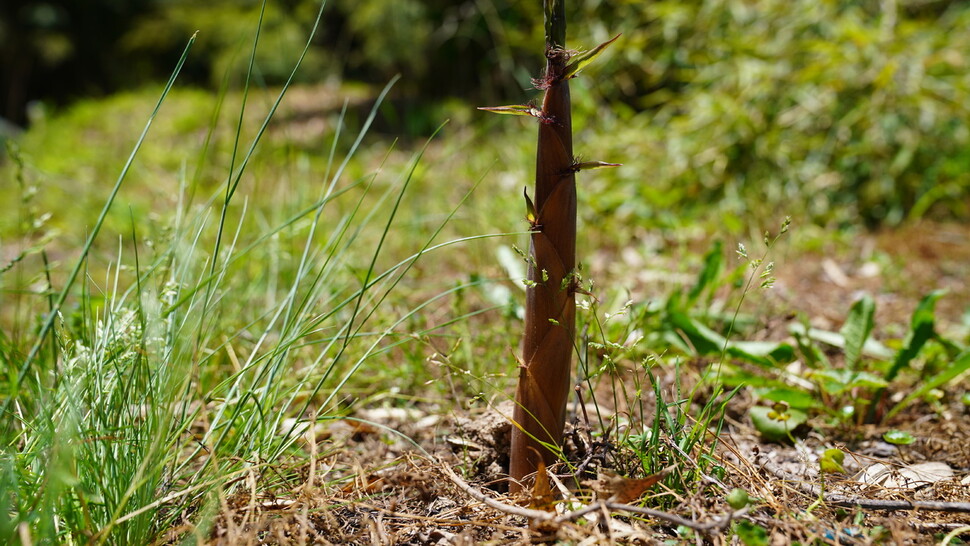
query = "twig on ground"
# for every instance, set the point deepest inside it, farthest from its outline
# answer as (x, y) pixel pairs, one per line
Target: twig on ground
(540, 515)
(875, 504)
(510, 509)
(713, 525)
(846, 501)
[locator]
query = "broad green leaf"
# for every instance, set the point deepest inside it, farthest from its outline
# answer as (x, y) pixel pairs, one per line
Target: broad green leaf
(712, 270)
(674, 340)
(708, 342)
(858, 325)
(812, 355)
(732, 377)
(751, 534)
(959, 366)
(831, 461)
(776, 352)
(705, 341)
(872, 348)
(830, 381)
(841, 380)
(582, 60)
(898, 437)
(865, 380)
(921, 330)
(796, 398)
(775, 429)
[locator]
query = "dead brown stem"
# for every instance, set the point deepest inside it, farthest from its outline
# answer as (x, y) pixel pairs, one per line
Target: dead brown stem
(552, 517)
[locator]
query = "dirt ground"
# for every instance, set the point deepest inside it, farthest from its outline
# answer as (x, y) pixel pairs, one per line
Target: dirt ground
(897, 267)
(375, 488)
(423, 477)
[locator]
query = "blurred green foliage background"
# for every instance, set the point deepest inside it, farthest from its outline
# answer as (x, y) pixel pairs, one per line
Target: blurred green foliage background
(838, 111)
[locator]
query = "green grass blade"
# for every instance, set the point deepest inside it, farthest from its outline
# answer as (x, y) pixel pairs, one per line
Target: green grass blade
(72, 276)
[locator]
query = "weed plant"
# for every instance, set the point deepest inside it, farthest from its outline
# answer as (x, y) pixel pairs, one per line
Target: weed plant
(657, 420)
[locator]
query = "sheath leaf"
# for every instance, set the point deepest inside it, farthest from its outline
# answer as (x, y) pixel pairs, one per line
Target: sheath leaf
(582, 60)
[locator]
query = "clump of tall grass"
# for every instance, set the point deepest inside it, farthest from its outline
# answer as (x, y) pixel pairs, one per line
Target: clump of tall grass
(154, 381)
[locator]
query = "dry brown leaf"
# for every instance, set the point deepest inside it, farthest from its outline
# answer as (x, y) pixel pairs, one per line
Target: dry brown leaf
(542, 496)
(905, 477)
(627, 490)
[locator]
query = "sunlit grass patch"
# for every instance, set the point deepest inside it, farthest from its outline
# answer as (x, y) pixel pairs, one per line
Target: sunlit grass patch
(163, 372)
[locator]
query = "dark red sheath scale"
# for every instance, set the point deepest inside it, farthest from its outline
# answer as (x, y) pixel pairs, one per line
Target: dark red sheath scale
(544, 378)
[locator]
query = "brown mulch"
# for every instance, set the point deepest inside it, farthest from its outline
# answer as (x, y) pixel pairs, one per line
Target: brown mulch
(373, 488)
